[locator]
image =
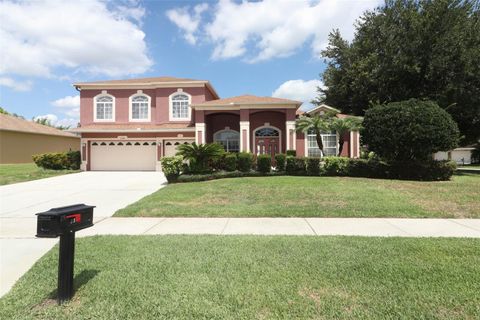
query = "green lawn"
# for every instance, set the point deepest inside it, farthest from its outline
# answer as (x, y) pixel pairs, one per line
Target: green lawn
(247, 277)
(314, 197)
(13, 173)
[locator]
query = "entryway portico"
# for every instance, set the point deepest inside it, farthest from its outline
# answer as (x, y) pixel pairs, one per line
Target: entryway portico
(261, 125)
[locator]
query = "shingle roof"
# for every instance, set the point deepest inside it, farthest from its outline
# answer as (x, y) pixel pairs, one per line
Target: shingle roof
(246, 99)
(140, 80)
(11, 123)
(134, 126)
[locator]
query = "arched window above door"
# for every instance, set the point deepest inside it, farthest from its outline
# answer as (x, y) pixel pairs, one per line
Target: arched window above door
(267, 132)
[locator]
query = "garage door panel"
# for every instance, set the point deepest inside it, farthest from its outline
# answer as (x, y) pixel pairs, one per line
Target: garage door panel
(172, 145)
(123, 156)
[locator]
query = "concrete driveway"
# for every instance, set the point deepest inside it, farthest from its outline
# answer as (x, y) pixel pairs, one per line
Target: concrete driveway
(109, 191)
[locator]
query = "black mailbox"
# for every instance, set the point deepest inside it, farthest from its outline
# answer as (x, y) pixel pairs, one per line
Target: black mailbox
(58, 221)
(64, 222)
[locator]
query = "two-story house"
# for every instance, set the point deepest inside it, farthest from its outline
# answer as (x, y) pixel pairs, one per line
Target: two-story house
(131, 124)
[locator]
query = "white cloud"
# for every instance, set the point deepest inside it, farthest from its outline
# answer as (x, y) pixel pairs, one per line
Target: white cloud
(267, 29)
(56, 121)
(67, 102)
(16, 85)
(301, 90)
(94, 37)
(188, 21)
(69, 105)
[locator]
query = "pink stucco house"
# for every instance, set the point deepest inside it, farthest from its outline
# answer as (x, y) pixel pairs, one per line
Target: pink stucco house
(131, 124)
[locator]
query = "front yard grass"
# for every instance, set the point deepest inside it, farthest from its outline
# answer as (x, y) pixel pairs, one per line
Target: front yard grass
(288, 196)
(248, 277)
(20, 172)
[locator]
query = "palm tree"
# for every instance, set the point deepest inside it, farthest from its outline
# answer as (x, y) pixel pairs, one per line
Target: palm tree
(316, 123)
(200, 154)
(342, 126)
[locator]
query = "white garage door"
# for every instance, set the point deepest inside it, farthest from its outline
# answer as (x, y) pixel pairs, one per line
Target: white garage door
(171, 146)
(123, 155)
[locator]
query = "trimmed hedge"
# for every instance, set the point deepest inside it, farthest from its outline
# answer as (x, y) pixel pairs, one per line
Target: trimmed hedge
(230, 162)
(313, 166)
(264, 163)
(280, 160)
(58, 160)
(292, 153)
(336, 166)
(245, 161)
(290, 164)
(300, 166)
(222, 175)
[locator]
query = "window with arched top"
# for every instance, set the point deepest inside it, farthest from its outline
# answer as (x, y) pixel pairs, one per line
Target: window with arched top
(229, 139)
(267, 132)
(140, 107)
(104, 108)
(180, 106)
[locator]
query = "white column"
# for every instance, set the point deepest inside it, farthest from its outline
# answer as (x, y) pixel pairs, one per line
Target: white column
(245, 136)
(290, 126)
(200, 133)
(83, 154)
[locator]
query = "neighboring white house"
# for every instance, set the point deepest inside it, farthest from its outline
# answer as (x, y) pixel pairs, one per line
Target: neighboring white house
(459, 155)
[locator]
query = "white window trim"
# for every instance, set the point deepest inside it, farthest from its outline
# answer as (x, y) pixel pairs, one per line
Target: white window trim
(95, 108)
(223, 130)
(267, 126)
(337, 146)
(170, 106)
(130, 108)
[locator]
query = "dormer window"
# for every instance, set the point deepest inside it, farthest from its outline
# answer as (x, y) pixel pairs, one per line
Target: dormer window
(104, 108)
(140, 107)
(180, 106)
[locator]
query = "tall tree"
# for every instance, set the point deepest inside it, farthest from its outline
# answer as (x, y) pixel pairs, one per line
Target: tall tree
(426, 49)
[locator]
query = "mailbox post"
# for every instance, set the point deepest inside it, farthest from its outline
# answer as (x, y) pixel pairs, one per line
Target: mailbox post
(64, 222)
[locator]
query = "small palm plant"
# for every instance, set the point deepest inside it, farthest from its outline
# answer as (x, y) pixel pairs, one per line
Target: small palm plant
(342, 126)
(199, 155)
(316, 123)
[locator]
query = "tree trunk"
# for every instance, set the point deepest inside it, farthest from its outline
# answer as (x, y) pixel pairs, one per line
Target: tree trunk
(340, 146)
(318, 137)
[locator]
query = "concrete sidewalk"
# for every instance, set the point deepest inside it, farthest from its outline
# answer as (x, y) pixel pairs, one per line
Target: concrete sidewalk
(371, 227)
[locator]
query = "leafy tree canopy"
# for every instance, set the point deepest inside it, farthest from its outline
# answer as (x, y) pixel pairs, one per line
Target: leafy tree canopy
(410, 49)
(409, 130)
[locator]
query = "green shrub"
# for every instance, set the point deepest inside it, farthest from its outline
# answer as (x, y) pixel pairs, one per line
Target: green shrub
(301, 166)
(292, 153)
(280, 162)
(426, 170)
(290, 165)
(201, 157)
(405, 170)
(221, 175)
(172, 167)
(336, 166)
(409, 130)
(264, 163)
(74, 160)
(58, 160)
(244, 161)
(230, 162)
(313, 166)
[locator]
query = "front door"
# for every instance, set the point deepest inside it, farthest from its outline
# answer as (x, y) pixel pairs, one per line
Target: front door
(267, 145)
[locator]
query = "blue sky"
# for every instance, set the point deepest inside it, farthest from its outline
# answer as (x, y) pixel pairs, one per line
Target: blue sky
(266, 48)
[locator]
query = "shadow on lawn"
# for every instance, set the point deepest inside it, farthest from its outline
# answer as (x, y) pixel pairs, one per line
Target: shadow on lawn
(78, 281)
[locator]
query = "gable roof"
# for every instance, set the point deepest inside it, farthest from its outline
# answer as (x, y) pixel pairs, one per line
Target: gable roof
(247, 99)
(11, 123)
(153, 82)
(321, 107)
